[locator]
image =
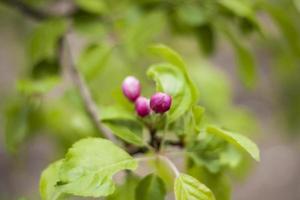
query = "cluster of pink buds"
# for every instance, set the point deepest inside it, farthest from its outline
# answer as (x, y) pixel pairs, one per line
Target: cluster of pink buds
(159, 102)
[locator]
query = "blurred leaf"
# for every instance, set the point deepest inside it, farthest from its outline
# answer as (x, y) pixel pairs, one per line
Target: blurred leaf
(239, 140)
(192, 14)
(19, 115)
(43, 41)
(93, 59)
(135, 31)
(151, 187)
(205, 76)
(67, 110)
(31, 87)
(88, 168)
(48, 182)
(123, 124)
(189, 188)
(174, 80)
(206, 38)
(286, 25)
(297, 4)
(198, 113)
(89, 25)
(245, 60)
(127, 189)
(93, 6)
(218, 183)
(45, 68)
(239, 7)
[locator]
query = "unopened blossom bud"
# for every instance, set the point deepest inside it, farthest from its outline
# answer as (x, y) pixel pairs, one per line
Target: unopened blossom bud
(142, 106)
(131, 88)
(160, 102)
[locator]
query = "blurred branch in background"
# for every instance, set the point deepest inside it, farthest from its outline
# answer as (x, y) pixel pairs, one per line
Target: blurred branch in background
(26, 9)
(89, 104)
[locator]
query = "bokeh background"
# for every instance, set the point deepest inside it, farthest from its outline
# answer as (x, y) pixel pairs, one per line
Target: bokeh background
(265, 106)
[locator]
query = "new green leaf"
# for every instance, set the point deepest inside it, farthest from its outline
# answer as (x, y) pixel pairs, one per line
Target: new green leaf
(89, 166)
(173, 79)
(189, 188)
(236, 139)
(49, 180)
(123, 124)
(86, 170)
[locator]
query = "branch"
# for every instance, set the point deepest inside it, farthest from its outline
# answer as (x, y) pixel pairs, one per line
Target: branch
(26, 9)
(89, 105)
(32, 12)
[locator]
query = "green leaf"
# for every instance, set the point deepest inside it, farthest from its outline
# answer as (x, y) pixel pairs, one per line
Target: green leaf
(48, 182)
(244, 58)
(206, 38)
(21, 119)
(174, 80)
(193, 15)
(89, 25)
(40, 86)
(286, 25)
(239, 7)
(236, 139)
(93, 59)
(189, 188)
(243, 9)
(198, 113)
(92, 6)
(43, 42)
(127, 189)
(89, 165)
(123, 124)
(170, 56)
(297, 4)
(151, 187)
(219, 183)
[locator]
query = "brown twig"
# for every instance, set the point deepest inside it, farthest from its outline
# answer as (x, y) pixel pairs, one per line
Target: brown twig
(26, 9)
(34, 13)
(89, 105)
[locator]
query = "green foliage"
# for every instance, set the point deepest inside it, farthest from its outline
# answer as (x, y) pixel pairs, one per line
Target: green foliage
(236, 139)
(92, 6)
(115, 36)
(127, 189)
(123, 124)
(93, 59)
(151, 187)
(44, 40)
(173, 80)
(86, 170)
(189, 188)
(20, 115)
(48, 181)
(90, 163)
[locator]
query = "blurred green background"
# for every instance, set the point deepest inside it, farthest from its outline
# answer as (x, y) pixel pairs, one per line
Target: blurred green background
(243, 55)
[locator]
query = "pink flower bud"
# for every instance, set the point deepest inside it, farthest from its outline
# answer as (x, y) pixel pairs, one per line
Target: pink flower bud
(142, 106)
(131, 88)
(160, 102)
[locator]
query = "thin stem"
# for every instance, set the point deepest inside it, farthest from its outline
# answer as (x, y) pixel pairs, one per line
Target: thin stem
(146, 158)
(163, 158)
(163, 136)
(171, 165)
(89, 105)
